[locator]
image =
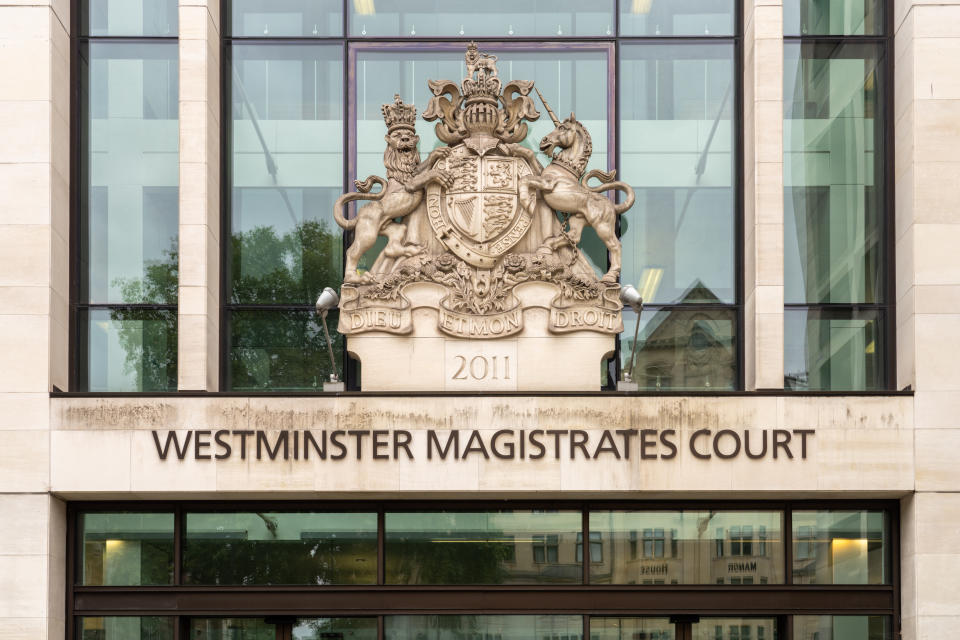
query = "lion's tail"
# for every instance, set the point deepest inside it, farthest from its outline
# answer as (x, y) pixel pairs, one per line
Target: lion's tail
(362, 193)
(607, 182)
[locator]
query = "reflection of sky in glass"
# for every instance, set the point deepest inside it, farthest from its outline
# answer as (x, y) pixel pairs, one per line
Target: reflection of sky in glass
(677, 17)
(677, 151)
(490, 18)
(833, 231)
(131, 149)
(827, 349)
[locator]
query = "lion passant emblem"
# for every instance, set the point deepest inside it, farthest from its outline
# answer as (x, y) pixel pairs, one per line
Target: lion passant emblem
(480, 234)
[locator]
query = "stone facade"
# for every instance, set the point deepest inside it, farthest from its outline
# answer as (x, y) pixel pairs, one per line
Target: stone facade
(55, 449)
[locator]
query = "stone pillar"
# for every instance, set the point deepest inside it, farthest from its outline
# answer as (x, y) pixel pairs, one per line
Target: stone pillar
(199, 293)
(926, 114)
(34, 281)
(763, 193)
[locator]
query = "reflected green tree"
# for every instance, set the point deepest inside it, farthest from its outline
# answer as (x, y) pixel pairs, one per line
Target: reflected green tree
(275, 348)
(413, 561)
(147, 336)
(299, 561)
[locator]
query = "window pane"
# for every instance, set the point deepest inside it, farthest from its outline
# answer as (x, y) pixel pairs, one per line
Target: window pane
(833, 173)
(497, 547)
(129, 158)
(278, 18)
(839, 547)
(677, 17)
(681, 349)
(127, 349)
(471, 627)
(706, 547)
(677, 151)
(335, 629)
(286, 172)
(280, 548)
(835, 350)
(833, 17)
(128, 17)
(232, 629)
(842, 628)
(735, 629)
(126, 549)
(491, 18)
(570, 80)
(281, 350)
(630, 628)
(126, 628)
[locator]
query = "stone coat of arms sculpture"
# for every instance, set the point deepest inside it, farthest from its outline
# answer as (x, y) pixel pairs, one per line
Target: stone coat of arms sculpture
(481, 238)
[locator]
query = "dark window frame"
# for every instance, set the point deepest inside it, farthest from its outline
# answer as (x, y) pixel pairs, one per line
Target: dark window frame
(887, 311)
(184, 601)
(353, 44)
(77, 356)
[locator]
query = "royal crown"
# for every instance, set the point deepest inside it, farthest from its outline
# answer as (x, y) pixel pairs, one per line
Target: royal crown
(399, 114)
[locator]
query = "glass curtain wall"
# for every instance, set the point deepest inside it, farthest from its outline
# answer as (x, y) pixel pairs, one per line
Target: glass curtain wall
(127, 196)
(305, 83)
(836, 202)
(506, 570)
(678, 133)
(285, 170)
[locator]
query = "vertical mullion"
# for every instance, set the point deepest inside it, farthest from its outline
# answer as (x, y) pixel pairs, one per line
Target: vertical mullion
(380, 632)
(585, 548)
(785, 624)
(787, 537)
(178, 545)
(893, 557)
(586, 626)
(73, 559)
(381, 544)
(226, 199)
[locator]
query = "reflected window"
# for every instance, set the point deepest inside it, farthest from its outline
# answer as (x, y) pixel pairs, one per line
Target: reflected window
(128, 18)
(834, 17)
(632, 629)
(840, 547)
(681, 348)
(842, 628)
(460, 19)
(677, 17)
(690, 547)
(286, 170)
(472, 627)
(129, 207)
(678, 150)
(280, 548)
(283, 18)
(119, 549)
(498, 547)
(734, 629)
(126, 628)
(835, 233)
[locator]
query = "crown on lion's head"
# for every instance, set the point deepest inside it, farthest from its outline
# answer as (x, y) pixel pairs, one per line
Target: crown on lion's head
(399, 114)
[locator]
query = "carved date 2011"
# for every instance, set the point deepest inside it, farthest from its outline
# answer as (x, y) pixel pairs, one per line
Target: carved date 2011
(482, 368)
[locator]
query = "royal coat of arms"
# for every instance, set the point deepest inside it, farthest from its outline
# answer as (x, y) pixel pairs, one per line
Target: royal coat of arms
(481, 234)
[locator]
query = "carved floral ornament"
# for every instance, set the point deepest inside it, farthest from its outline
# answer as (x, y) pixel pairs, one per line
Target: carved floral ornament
(476, 224)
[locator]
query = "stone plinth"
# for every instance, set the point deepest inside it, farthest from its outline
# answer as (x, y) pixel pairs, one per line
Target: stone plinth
(504, 352)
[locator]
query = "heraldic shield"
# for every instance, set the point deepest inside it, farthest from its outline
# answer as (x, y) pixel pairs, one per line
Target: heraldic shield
(479, 217)
(481, 282)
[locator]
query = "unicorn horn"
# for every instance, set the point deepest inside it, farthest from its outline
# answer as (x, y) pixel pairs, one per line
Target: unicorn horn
(553, 116)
